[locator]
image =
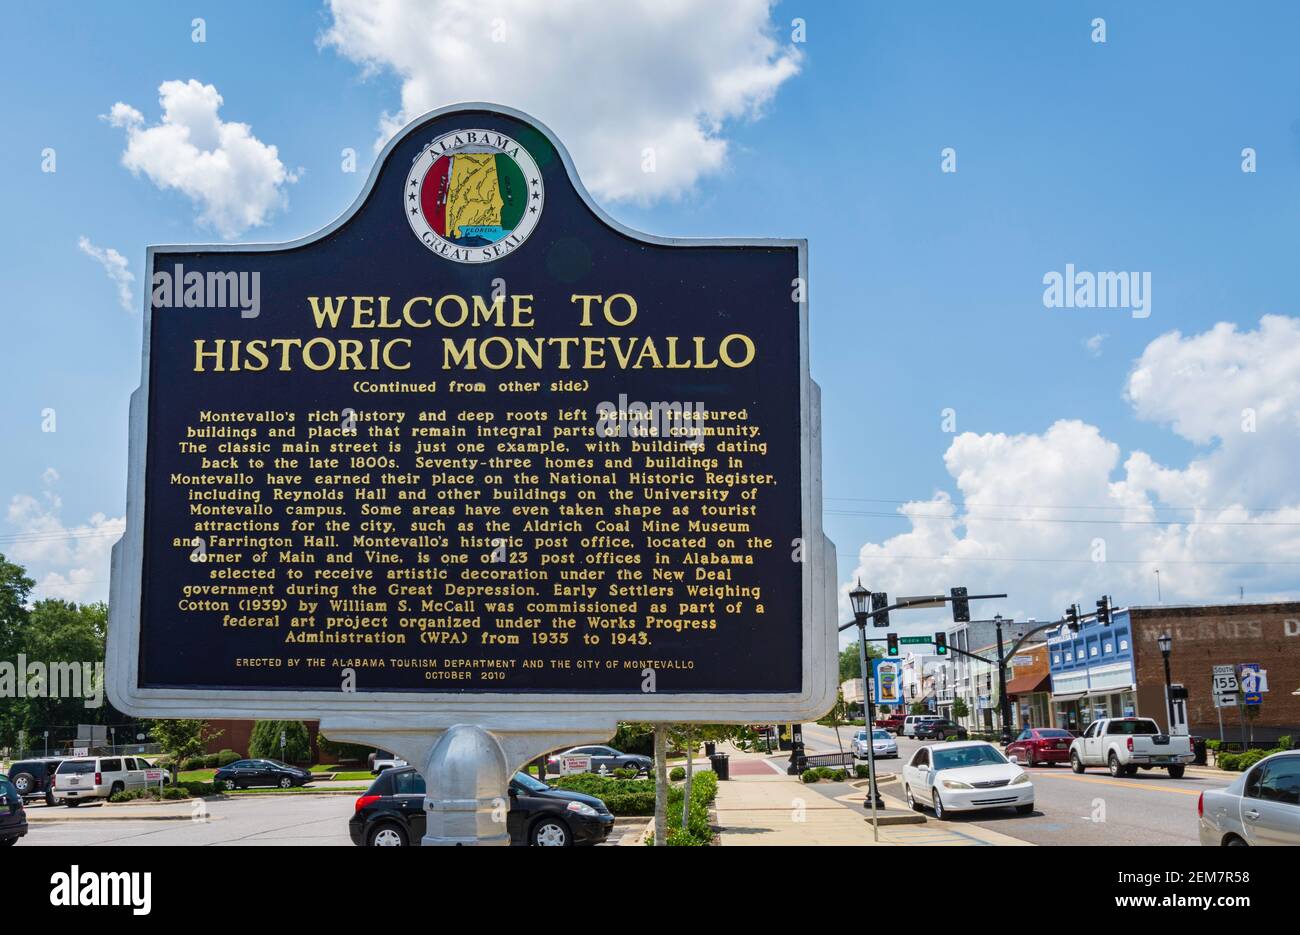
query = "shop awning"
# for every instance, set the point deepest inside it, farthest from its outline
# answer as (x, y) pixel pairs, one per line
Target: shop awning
(1072, 696)
(1027, 684)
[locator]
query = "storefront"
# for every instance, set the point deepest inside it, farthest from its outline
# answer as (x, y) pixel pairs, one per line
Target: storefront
(1092, 674)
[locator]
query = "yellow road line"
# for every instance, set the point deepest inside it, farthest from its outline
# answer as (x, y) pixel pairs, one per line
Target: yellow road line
(1116, 782)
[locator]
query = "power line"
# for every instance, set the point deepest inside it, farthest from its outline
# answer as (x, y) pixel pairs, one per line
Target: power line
(1108, 561)
(1049, 519)
(1067, 506)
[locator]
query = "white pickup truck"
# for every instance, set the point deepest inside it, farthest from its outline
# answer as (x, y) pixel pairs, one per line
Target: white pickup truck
(1122, 744)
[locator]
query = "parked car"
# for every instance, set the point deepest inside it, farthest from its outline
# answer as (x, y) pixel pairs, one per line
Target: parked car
(13, 818)
(912, 720)
(1123, 744)
(940, 729)
(1260, 807)
(382, 760)
(80, 778)
(1047, 745)
(391, 813)
(892, 722)
(965, 776)
(245, 773)
(34, 779)
(606, 757)
(882, 743)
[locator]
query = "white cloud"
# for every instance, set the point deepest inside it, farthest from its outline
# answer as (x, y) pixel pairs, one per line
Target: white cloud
(1093, 344)
(68, 562)
(235, 179)
(115, 266)
(612, 79)
(1210, 526)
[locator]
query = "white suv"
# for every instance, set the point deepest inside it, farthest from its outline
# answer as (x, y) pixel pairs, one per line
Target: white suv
(81, 778)
(912, 720)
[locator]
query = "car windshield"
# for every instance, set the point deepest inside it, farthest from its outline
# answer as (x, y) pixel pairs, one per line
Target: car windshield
(961, 757)
(1053, 732)
(80, 767)
(529, 783)
(1132, 727)
(880, 735)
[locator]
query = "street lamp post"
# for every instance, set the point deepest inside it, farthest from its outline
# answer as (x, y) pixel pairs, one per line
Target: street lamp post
(858, 598)
(1004, 703)
(1166, 642)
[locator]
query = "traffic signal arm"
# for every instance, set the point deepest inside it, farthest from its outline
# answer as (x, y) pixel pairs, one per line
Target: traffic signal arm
(904, 605)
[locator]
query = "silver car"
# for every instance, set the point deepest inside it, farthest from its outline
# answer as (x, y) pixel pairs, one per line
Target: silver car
(1262, 806)
(883, 744)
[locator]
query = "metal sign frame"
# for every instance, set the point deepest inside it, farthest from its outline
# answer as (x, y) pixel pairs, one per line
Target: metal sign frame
(582, 717)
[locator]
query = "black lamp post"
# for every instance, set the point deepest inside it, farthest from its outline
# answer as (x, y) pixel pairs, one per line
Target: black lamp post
(1166, 642)
(1004, 703)
(859, 597)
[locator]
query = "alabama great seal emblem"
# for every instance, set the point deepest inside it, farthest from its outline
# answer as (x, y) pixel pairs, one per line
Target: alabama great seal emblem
(473, 196)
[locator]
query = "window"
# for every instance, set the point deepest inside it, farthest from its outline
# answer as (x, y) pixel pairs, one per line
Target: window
(1108, 648)
(1056, 659)
(1123, 645)
(111, 766)
(1281, 780)
(1069, 657)
(1137, 726)
(408, 783)
(922, 758)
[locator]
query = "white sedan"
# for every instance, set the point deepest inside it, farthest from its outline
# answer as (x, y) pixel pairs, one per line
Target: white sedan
(965, 776)
(884, 745)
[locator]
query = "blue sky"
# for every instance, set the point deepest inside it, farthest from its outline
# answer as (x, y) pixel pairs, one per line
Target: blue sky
(926, 287)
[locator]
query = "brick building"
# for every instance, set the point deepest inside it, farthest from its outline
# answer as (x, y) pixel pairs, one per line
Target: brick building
(1222, 634)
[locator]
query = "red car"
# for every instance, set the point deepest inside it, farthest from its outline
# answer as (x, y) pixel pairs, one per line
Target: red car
(1048, 745)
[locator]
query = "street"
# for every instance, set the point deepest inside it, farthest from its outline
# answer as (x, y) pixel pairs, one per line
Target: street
(1092, 809)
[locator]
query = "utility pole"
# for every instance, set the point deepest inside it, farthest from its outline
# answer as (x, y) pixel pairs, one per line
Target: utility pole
(1004, 703)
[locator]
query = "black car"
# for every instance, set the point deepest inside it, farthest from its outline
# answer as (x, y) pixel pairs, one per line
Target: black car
(605, 759)
(34, 779)
(391, 813)
(13, 819)
(940, 729)
(245, 773)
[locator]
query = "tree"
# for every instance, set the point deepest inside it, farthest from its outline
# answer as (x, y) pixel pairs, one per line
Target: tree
(15, 587)
(850, 665)
(265, 741)
(959, 708)
(181, 739)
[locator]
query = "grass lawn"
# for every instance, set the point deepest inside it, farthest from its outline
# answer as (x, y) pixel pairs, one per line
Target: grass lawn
(361, 775)
(306, 791)
(197, 775)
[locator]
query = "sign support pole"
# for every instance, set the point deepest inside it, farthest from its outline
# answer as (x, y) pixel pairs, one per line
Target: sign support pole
(868, 713)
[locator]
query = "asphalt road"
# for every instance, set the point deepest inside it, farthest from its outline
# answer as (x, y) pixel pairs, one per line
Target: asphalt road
(1092, 809)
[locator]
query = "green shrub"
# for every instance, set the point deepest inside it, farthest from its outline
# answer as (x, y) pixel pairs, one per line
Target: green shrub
(174, 792)
(226, 757)
(1284, 742)
(198, 788)
(265, 741)
(677, 774)
(626, 773)
(128, 795)
(1213, 745)
(862, 772)
(810, 776)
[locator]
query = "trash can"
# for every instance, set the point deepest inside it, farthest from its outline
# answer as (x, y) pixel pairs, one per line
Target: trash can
(710, 749)
(1198, 751)
(720, 763)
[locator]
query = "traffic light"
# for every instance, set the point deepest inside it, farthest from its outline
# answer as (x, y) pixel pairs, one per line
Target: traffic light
(879, 600)
(1072, 617)
(941, 643)
(1104, 610)
(960, 606)
(892, 641)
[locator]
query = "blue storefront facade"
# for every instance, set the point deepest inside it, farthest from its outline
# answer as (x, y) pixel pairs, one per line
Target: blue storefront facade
(1092, 672)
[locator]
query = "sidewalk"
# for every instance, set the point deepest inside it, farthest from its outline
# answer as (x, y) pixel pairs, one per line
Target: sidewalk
(773, 810)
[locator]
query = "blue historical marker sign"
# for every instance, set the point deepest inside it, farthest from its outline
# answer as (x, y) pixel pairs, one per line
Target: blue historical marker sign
(473, 441)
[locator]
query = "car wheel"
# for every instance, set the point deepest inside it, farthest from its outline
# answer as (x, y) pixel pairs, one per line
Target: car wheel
(285, 782)
(940, 813)
(1233, 841)
(23, 782)
(1176, 772)
(1113, 763)
(49, 799)
(1025, 809)
(550, 832)
(386, 834)
(911, 799)
(229, 785)
(115, 789)
(1076, 764)
(72, 803)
